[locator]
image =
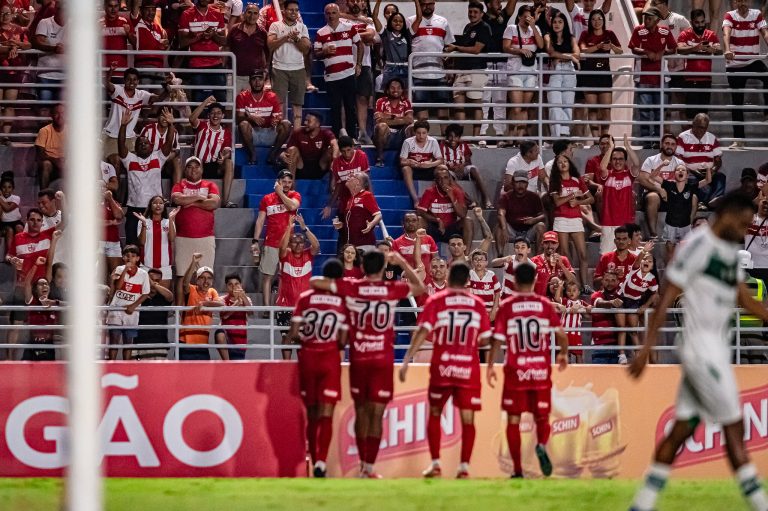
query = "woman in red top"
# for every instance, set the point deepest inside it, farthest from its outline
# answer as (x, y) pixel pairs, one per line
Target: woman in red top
(351, 259)
(569, 193)
(12, 39)
(363, 213)
(596, 40)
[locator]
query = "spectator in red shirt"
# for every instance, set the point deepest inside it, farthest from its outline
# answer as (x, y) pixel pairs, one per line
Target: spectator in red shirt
(618, 261)
(698, 40)
(394, 119)
(352, 260)
(275, 211)
(651, 42)
(13, 38)
(213, 146)
(115, 30)
(407, 247)
(348, 163)
(444, 208)
(147, 35)
(311, 149)
(295, 271)
(362, 213)
(550, 264)
(616, 177)
(260, 118)
(607, 298)
(521, 214)
(249, 44)
(234, 297)
(202, 28)
(199, 199)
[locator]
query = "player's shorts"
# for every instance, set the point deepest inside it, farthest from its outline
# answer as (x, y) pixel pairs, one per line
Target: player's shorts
(111, 248)
(320, 377)
(368, 382)
(708, 391)
(270, 257)
(463, 398)
(515, 401)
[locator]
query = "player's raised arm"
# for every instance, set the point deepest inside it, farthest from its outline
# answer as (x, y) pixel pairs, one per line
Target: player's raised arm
(658, 318)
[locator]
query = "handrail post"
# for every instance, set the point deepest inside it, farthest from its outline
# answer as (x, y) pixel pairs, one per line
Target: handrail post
(662, 96)
(541, 92)
(177, 334)
(738, 336)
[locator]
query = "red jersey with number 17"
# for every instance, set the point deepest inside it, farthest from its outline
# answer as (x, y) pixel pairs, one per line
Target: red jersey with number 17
(324, 316)
(525, 322)
(457, 322)
(371, 305)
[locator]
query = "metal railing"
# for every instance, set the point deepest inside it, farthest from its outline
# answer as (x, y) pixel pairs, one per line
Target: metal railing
(624, 107)
(29, 87)
(273, 347)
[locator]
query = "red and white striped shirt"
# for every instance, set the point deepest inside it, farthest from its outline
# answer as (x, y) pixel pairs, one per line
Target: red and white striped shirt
(745, 35)
(636, 284)
(696, 152)
(121, 102)
(144, 177)
(157, 251)
(430, 151)
(570, 319)
(485, 287)
(455, 155)
(156, 138)
(209, 142)
(341, 64)
(510, 287)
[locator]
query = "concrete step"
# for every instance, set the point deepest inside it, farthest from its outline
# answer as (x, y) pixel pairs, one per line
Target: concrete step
(235, 223)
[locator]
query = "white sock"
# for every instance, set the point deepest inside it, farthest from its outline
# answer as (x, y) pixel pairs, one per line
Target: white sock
(436, 463)
(655, 479)
(464, 467)
(320, 465)
(751, 488)
(368, 467)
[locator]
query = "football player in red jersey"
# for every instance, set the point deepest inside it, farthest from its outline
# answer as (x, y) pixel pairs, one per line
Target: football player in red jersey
(319, 324)
(524, 322)
(458, 323)
(371, 303)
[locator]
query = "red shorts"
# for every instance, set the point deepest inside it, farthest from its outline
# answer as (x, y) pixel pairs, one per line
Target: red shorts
(574, 341)
(320, 377)
(368, 382)
(463, 398)
(536, 401)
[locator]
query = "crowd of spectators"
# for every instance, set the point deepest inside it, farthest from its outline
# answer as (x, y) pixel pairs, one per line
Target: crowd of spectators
(544, 215)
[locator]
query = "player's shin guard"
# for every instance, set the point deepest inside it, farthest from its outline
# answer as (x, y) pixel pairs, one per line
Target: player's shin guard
(543, 430)
(467, 441)
(324, 433)
(751, 488)
(655, 480)
(312, 438)
(513, 440)
(433, 436)
(372, 449)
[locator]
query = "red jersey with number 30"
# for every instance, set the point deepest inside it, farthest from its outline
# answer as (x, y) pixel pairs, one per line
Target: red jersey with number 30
(371, 306)
(324, 316)
(524, 322)
(457, 322)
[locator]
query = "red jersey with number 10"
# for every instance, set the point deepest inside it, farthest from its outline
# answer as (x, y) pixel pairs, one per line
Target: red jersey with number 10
(324, 316)
(457, 322)
(525, 322)
(371, 306)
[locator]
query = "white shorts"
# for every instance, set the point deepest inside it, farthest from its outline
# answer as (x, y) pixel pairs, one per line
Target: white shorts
(111, 249)
(270, 258)
(562, 224)
(607, 243)
(708, 390)
(167, 271)
(521, 80)
(120, 318)
(675, 234)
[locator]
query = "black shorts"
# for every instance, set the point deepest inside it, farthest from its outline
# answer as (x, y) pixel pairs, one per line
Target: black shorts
(431, 96)
(662, 203)
(311, 170)
(11, 225)
(395, 139)
(451, 230)
(364, 82)
(423, 174)
(283, 318)
(211, 170)
(17, 298)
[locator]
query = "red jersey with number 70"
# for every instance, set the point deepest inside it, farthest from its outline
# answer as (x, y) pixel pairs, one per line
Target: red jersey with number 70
(323, 315)
(457, 322)
(371, 305)
(525, 322)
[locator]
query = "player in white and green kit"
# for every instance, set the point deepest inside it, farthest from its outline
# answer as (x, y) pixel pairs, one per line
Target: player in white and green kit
(706, 267)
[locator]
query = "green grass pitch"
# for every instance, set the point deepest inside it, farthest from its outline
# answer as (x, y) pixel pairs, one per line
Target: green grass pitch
(383, 495)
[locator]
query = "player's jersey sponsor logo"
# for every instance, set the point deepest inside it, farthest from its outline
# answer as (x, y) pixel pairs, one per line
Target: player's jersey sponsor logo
(532, 374)
(462, 373)
(706, 444)
(405, 429)
(369, 346)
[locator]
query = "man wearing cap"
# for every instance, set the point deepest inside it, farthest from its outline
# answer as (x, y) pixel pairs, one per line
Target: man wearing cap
(276, 211)
(651, 42)
(521, 213)
(199, 294)
(749, 183)
(260, 118)
(198, 199)
(551, 264)
(310, 149)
